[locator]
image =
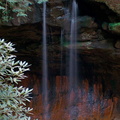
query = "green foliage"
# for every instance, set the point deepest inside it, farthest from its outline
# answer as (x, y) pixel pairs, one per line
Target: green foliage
(12, 98)
(41, 1)
(19, 7)
(114, 26)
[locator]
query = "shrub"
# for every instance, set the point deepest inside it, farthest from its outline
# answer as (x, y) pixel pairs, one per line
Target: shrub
(12, 98)
(19, 7)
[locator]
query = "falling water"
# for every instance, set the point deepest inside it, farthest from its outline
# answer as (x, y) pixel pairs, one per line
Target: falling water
(73, 63)
(45, 66)
(61, 57)
(73, 51)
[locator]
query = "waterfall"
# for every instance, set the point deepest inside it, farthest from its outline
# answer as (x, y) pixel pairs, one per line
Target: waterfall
(73, 50)
(72, 75)
(61, 56)
(45, 67)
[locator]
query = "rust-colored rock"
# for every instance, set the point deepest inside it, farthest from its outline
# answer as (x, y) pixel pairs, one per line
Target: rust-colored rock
(90, 105)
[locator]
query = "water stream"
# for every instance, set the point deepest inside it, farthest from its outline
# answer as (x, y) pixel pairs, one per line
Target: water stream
(73, 50)
(61, 56)
(45, 67)
(73, 80)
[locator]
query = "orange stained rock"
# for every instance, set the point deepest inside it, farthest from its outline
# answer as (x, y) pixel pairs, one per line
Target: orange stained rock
(96, 108)
(86, 85)
(61, 84)
(58, 109)
(71, 97)
(37, 106)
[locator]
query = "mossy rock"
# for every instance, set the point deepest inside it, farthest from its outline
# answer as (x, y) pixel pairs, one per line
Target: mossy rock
(114, 27)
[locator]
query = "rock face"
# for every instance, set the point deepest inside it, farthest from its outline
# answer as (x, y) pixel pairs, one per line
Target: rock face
(92, 34)
(88, 105)
(56, 11)
(112, 4)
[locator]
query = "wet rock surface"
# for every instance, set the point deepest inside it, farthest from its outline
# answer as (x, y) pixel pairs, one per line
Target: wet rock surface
(88, 102)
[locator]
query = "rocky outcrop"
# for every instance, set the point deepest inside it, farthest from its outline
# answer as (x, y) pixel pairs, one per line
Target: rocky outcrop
(112, 4)
(88, 102)
(112, 27)
(57, 10)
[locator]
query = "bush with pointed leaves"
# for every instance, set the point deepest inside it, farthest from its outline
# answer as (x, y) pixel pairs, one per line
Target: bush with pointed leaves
(12, 98)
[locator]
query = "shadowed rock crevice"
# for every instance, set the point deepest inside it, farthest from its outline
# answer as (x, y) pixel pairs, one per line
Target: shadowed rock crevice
(100, 11)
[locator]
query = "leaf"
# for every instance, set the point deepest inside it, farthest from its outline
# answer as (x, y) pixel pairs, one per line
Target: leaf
(12, 99)
(21, 14)
(2, 8)
(12, 1)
